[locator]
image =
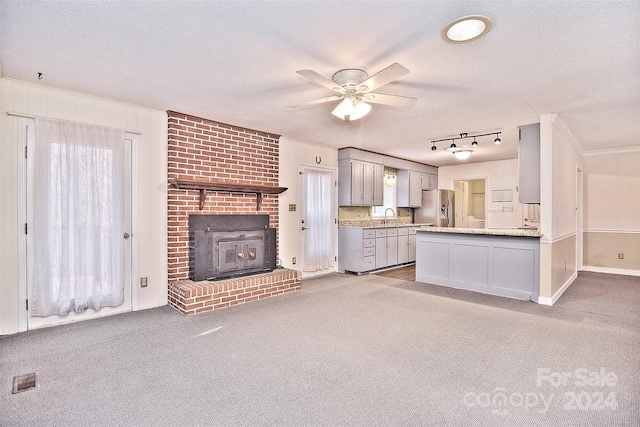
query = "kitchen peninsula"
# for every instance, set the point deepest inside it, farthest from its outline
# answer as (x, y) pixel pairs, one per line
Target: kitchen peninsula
(503, 262)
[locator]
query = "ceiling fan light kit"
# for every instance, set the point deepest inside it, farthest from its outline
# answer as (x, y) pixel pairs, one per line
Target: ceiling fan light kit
(349, 109)
(356, 88)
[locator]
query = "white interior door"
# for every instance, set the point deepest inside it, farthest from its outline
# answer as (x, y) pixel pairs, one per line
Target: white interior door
(123, 252)
(318, 221)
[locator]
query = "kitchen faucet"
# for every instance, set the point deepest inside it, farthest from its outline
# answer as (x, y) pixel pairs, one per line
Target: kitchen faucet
(385, 214)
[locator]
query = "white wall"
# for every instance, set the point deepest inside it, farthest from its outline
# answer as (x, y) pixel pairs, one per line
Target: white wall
(293, 154)
(612, 212)
(498, 175)
(149, 232)
(560, 205)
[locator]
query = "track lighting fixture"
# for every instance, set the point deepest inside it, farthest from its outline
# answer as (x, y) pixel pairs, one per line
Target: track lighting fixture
(461, 152)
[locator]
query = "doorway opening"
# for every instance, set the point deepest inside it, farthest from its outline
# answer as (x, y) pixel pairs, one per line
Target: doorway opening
(470, 203)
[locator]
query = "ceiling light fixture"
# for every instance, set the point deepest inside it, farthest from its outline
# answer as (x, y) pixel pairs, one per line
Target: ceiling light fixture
(351, 108)
(462, 153)
(466, 29)
(452, 147)
(497, 141)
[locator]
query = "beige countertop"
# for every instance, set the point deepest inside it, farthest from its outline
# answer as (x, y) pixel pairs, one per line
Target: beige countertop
(513, 232)
(378, 224)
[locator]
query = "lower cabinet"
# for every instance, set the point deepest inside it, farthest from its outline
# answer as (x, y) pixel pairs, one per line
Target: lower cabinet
(406, 245)
(366, 249)
(386, 247)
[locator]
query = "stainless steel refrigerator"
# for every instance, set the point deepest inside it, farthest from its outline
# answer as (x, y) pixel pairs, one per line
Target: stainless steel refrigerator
(438, 208)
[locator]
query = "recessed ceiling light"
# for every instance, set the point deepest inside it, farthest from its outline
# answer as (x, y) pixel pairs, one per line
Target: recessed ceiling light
(466, 29)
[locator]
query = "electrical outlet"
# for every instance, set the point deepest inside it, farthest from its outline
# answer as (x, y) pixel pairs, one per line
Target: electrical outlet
(293, 260)
(143, 282)
(620, 255)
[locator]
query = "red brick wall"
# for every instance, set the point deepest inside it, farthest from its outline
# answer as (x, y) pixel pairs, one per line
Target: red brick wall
(207, 150)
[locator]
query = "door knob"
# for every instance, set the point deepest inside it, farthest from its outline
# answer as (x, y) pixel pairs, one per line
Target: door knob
(303, 228)
(127, 235)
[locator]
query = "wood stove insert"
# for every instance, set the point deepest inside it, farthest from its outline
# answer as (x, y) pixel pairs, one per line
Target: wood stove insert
(224, 246)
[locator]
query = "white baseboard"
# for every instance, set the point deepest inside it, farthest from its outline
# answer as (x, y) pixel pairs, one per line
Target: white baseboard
(558, 294)
(611, 270)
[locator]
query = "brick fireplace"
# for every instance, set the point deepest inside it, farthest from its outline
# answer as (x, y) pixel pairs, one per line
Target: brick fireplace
(202, 150)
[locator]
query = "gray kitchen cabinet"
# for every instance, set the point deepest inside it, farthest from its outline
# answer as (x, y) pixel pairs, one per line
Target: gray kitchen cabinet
(529, 164)
(360, 183)
(367, 249)
(429, 181)
(386, 247)
(412, 245)
(406, 245)
(409, 189)
(357, 249)
(378, 185)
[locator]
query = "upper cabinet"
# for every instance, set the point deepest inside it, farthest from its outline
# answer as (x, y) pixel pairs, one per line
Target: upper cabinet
(529, 164)
(361, 178)
(429, 181)
(409, 189)
(360, 183)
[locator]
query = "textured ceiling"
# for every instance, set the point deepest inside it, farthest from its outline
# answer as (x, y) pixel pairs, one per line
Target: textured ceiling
(235, 62)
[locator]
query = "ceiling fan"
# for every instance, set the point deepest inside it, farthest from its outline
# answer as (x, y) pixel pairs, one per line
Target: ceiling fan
(355, 89)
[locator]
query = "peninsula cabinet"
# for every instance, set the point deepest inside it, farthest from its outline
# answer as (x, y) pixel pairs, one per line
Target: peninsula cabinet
(360, 183)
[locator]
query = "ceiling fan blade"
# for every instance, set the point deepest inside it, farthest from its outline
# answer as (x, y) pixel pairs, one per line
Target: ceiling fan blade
(381, 78)
(317, 101)
(321, 80)
(394, 100)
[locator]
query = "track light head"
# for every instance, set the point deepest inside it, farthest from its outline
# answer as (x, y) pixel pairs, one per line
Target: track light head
(474, 143)
(433, 146)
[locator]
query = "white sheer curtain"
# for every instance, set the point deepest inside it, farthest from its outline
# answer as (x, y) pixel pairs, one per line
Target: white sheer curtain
(319, 216)
(78, 217)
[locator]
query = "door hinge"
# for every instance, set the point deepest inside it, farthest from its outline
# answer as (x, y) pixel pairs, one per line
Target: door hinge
(25, 228)
(25, 152)
(27, 304)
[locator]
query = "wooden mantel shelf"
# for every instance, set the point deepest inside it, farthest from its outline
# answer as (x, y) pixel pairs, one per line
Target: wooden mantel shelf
(204, 186)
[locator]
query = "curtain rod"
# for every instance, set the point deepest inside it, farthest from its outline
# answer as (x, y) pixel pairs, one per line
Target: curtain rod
(27, 116)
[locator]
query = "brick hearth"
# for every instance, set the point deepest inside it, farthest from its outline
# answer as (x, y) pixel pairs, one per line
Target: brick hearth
(190, 297)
